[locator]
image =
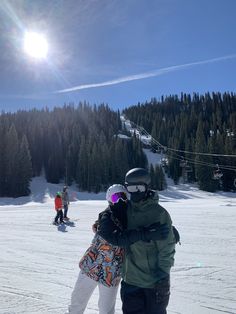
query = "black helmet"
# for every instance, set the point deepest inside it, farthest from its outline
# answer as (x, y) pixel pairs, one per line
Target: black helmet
(137, 176)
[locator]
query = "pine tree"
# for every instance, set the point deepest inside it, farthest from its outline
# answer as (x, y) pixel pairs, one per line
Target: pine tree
(55, 160)
(160, 178)
(11, 162)
(2, 158)
(204, 173)
(82, 167)
(24, 174)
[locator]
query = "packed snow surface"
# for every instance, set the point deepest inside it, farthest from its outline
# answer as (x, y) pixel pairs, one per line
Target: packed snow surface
(39, 261)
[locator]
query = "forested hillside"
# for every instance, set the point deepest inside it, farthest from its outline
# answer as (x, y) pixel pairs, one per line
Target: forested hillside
(198, 135)
(66, 144)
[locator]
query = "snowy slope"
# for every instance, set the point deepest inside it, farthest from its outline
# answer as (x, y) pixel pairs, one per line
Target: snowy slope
(39, 261)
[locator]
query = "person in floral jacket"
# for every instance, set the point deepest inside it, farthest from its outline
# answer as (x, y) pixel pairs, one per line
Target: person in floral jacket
(100, 266)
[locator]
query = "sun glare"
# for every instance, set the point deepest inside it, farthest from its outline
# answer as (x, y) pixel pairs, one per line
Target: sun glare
(35, 45)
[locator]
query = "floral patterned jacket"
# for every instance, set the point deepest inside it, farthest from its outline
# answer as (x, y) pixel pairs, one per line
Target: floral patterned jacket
(102, 262)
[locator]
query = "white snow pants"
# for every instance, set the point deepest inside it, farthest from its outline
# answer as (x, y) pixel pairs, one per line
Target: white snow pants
(82, 292)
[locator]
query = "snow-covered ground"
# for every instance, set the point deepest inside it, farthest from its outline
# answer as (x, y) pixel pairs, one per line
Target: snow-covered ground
(39, 261)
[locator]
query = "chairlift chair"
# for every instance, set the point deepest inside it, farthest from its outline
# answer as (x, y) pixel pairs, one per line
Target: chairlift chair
(217, 174)
(164, 162)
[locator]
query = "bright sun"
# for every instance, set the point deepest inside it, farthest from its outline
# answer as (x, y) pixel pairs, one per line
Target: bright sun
(35, 45)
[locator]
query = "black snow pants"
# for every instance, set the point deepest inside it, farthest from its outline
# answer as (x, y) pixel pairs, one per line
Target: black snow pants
(65, 210)
(59, 215)
(136, 300)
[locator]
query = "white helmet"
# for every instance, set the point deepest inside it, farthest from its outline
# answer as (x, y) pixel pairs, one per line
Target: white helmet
(113, 196)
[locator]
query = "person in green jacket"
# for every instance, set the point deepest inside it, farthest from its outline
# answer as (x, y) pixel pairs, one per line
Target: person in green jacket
(145, 288)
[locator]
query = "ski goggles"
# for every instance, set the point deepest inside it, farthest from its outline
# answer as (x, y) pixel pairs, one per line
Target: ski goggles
(117, 196)
(136, 188)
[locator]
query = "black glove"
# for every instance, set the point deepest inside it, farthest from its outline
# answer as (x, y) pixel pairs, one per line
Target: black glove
(156, 231)
(119, 211)
(163, 291)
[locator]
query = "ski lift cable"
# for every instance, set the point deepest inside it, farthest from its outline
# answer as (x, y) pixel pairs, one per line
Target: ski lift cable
(188, 152)
(191, 161)
(204, 154)
(180, 157)
(141, 129)
(194, 161)
(202, 163)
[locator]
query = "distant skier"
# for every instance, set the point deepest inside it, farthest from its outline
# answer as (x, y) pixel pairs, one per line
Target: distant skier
(65, 200)
(101, 264)
(58, 208)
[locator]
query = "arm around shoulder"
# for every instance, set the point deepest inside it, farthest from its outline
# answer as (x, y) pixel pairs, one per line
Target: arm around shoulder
(113, 234)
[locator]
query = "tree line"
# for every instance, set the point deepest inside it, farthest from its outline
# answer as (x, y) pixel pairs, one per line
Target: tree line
(192, 124)
(71, 144)
(81, 144)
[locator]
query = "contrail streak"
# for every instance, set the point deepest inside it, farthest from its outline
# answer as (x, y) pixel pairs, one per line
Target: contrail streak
(145, 75)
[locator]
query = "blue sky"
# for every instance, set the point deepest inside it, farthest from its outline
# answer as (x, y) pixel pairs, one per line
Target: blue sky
(118, 52)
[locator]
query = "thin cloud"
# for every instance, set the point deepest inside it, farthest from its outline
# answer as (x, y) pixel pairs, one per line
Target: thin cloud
(145, 75)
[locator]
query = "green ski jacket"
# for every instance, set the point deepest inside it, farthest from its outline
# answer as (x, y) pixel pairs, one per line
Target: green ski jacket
(146, 263)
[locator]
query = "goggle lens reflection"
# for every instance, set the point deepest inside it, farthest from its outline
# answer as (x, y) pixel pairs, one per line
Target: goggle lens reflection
(117, 196)
(136, 188)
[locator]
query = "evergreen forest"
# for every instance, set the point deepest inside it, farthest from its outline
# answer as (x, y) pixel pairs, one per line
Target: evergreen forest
(196, 135)
(70, 144)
